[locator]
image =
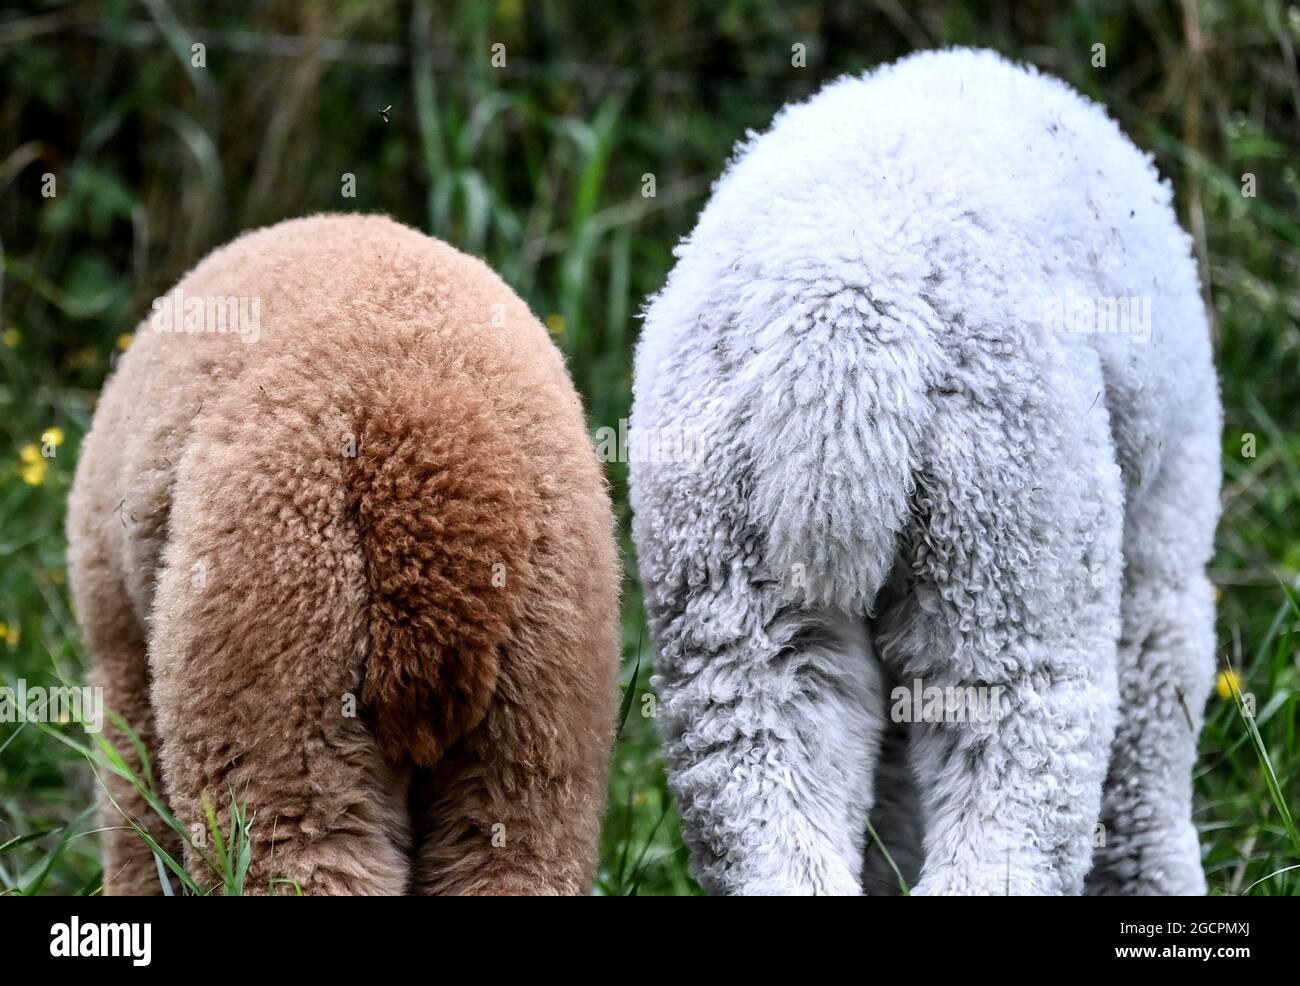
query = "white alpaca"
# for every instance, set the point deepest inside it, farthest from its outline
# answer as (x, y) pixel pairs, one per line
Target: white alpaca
(942, 341)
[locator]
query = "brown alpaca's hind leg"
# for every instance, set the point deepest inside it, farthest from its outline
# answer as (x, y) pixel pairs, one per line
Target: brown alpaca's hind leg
(515, 807)
(258, 649)
(327, 813)
(121, 668)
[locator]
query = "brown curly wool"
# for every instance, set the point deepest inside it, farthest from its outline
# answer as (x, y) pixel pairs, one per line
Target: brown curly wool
(355, 569)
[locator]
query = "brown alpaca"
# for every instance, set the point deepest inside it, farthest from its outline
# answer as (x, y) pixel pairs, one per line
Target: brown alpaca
(380, 494)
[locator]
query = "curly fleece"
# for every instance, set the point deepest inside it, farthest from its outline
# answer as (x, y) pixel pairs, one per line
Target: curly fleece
(388, 500)
(926, 467)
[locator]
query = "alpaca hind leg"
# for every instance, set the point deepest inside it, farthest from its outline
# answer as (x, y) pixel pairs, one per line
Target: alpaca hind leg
(771, 741)
(515, 807)
(1166, 667)
(260, 635)
(1007, 617)
(121, 669)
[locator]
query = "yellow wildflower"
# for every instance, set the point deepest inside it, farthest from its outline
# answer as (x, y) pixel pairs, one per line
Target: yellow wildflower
(34, 465)
(33, 473)
(1228, 684)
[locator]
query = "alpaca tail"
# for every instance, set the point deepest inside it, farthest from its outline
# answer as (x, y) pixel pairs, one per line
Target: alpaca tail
(372, 532)
(446, 510)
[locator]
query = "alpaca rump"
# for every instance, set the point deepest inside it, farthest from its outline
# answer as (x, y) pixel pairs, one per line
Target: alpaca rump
(355, 569)
(940, 461)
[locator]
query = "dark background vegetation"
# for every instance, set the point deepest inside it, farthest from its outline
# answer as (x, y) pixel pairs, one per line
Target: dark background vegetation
(538, 168)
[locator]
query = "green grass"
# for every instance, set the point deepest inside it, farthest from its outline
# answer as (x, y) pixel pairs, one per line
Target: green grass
(539, 169)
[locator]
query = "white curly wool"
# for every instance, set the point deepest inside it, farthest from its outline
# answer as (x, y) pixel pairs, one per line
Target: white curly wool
(927, 408)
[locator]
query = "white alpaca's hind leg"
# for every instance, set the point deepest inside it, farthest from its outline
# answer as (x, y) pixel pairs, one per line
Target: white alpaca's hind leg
(1005, 623)
(761, 562)
(771, 740)
(1166, 667)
